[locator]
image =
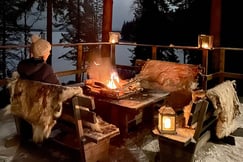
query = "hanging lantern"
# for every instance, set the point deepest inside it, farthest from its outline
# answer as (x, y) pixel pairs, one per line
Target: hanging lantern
(167, 120)
(205, 41)
(114, 37)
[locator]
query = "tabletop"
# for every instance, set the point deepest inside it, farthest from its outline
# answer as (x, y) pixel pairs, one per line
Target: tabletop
(138, 100)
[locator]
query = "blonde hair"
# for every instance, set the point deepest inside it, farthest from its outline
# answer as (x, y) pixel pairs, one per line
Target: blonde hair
(39, 47)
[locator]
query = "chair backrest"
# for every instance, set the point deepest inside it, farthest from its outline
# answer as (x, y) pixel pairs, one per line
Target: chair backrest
(200, 118)
(82, 106)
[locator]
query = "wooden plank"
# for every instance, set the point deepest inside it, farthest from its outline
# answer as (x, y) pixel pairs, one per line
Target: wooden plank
(83, 104)
(183, 135)
(97, 152)
(86, 115)
(84, 101)
(194, 113)
(201, 119)
(202, 140)
(108, 131)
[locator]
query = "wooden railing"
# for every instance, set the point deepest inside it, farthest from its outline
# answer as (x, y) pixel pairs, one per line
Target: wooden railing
(219, 57)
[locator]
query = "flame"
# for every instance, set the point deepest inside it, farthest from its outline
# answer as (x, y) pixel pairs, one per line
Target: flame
(96, 63)
(114, 81)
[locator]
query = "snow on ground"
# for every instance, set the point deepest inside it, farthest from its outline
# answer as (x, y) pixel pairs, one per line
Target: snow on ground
(141, 146)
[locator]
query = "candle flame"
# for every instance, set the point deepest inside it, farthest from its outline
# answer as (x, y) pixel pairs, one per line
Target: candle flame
(205, 45)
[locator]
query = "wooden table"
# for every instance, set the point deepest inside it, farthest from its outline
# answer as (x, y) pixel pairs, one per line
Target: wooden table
(122, 112)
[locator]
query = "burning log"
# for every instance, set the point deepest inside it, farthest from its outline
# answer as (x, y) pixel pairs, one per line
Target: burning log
(124, 89)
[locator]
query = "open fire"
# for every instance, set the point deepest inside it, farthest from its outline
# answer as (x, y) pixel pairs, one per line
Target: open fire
(114, 80)
(104, 81)
(115, 88)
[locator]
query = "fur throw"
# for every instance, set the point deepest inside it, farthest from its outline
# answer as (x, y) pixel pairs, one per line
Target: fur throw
(227, 107)
(39, 103)
(169, 76)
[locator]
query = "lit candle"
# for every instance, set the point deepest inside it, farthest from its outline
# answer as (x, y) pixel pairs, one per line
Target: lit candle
(113, 40)
(205, 45)
(167, 123)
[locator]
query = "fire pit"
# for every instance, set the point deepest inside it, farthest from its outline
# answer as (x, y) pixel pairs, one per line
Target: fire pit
(104, 81)
(117, 91)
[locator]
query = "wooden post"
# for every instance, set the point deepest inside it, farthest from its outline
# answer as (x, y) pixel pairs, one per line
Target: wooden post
(205, 65)
(80, 62)
(215, 21)
(106, 26)
(154, 52)
(221, 64)
(49, 27)
(113, 54)
(215, 30)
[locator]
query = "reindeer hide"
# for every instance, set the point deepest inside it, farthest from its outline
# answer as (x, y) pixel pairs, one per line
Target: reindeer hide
(226, 103)
(39, 103)
(169, 76)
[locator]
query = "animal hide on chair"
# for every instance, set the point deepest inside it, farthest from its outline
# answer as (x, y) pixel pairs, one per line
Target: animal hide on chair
(39, 103)
(227, 106)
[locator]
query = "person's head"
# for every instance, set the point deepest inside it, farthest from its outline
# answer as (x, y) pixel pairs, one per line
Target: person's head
(40, 48)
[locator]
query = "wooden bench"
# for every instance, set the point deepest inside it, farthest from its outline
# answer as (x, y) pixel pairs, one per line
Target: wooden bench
(93, 145)
(182, 145)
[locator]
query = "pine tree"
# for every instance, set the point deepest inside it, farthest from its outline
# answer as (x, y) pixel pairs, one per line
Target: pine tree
(80, 21)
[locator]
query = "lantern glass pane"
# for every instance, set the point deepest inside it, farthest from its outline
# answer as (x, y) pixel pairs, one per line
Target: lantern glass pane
(205, 41)
(114, 37)
(167, 120)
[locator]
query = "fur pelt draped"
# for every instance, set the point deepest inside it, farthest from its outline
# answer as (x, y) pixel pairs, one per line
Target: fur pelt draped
(169, 76)
(39, 103)
(227, 107)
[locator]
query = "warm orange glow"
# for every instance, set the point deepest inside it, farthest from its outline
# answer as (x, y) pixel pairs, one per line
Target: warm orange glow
(205, 41)
(114, 81)
(96, 63)
(205, 45)
(167, 122)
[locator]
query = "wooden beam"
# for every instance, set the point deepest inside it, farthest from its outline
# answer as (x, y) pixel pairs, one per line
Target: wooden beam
(107, 19)
(106, 26)
(215, 21)
(49, 27)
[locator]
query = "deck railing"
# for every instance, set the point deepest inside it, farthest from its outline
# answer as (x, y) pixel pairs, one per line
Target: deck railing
(219, 54)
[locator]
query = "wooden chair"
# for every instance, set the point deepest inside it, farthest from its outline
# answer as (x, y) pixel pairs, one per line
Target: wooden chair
(182, 145)
(92, 145)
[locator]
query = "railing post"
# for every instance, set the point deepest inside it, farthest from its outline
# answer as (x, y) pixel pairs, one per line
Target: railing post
(113, 56)
(154, 52)
(205, 65)
(80, 62)
(221, 64)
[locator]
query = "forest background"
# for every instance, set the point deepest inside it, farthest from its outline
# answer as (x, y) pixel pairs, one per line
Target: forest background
(158, 22)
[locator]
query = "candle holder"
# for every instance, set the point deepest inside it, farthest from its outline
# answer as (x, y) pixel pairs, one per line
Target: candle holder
(114, 37)
(167, 120)
(205, 41)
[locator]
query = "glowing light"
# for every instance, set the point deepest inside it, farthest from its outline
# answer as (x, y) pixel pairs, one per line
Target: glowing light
(114, 80)
(205, 41)
(96, 63)
(114, 37)
(167, 122)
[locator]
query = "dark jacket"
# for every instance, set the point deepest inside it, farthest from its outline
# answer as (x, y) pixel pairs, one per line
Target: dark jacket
(38, 70)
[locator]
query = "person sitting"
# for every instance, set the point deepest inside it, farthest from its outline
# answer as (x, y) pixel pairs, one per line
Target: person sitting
(35, 67)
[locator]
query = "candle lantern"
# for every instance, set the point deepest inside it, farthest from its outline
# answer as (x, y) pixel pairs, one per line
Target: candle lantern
(167, 120)
(205, 41)
(114, 37)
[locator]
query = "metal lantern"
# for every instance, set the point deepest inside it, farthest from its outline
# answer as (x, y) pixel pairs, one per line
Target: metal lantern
(205, 41)
(167, 120)
(114, 37)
